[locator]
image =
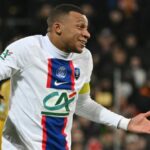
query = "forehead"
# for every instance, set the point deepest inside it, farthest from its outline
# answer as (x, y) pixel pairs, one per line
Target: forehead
(77, 17)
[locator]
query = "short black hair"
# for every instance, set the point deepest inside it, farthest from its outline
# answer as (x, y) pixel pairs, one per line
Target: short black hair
(61, 10)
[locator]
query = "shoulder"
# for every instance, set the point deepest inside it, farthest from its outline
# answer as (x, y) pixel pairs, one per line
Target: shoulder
(86, 54)
(85, 58)
(88, 57)
(30, 41)
(27, 46)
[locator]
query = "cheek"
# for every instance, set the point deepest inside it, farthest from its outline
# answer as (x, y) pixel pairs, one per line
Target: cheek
(71, 36)
(76, 36)
(75, 41)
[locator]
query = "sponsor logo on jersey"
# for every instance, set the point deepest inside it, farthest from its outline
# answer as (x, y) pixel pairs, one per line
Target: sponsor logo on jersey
(5, 54)
(77, 73)
(57, 103)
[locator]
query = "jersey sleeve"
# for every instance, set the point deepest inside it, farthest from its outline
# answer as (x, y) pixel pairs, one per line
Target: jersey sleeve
(13, 59)
(88, 108)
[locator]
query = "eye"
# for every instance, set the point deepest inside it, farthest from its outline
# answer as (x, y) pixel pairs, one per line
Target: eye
(79, 27)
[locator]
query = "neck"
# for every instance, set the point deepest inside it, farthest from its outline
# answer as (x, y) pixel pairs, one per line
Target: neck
(56, 41)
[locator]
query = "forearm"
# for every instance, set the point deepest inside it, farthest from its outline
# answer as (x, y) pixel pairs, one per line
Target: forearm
(97, 113)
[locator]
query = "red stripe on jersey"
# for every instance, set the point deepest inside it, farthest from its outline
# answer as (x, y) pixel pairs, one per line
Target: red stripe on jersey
(44, 137)
(63, 133)
(49, 75)
(72, 94)
(72, 75)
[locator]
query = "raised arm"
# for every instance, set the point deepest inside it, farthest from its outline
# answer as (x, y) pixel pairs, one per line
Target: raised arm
(89, 109)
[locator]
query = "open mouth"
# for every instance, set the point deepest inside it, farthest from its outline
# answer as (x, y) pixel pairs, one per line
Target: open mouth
(83, 43)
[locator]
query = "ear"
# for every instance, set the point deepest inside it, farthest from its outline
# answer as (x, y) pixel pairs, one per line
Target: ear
(58, 28)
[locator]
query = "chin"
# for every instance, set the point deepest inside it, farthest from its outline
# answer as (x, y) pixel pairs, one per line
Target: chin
(79, 50)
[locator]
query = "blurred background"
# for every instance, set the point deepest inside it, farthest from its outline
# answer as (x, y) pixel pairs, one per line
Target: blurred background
(120, 46)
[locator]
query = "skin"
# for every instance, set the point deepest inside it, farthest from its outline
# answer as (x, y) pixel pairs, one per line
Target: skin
(70, 33)
(140, 123)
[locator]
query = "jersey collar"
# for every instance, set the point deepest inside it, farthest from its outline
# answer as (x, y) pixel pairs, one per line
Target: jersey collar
(53, 49)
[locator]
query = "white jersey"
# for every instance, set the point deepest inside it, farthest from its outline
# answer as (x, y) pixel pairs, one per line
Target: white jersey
(45, 82)
(47, 87)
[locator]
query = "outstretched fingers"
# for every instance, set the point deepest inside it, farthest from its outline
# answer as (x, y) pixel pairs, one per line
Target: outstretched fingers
(147, 114)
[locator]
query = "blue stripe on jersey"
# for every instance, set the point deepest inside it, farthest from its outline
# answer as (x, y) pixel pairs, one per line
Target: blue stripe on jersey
(62, 76)
(55, 137)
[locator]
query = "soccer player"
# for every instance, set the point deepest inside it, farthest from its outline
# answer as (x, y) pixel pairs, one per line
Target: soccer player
(50, 78)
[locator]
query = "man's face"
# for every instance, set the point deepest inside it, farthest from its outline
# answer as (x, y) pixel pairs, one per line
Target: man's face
(74, 33)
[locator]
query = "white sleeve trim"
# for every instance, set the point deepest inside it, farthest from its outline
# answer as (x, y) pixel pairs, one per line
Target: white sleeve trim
(123, 123)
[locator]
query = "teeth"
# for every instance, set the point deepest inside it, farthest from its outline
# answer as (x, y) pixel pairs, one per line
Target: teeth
(83, 43)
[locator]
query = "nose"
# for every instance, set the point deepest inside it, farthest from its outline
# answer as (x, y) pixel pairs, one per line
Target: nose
(86, 34)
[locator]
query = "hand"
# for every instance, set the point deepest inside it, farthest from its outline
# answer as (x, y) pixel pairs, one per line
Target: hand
(140, 123)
